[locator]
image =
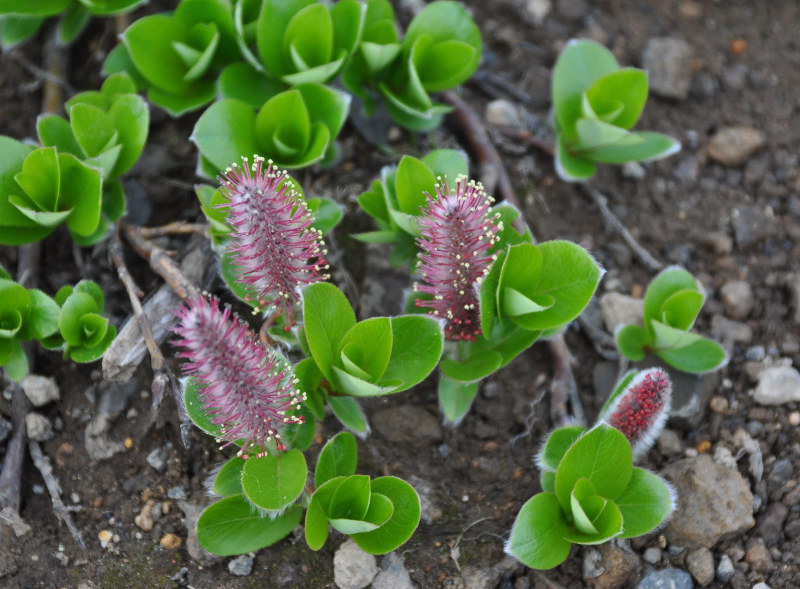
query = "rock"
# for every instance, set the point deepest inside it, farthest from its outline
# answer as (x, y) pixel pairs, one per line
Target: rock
(770, 525)
(755, 354)
(751, 225)
(170, 541)
(668, 62)
(757, 556)
(39, 427)
(714, 503)
(200, 555)
(429, 512)
(241, 566)
(503, 113)
(793, 282)
(669, 443)
(177, 493)
(352, 567)
(41, 390)
(777, 385)
(538, 10)
(737, 298)
(592, 563)
(572, 9)
(5, 428)
(144, 521)
(96, 441)
(158, 459)
(700, 563)
(725, 568)
(393, 574)
(666, 579)
(634, 170)
(690, 395)
(619, 309)
(652, 555)
(731, 146)
(407, 424)
(620, 568)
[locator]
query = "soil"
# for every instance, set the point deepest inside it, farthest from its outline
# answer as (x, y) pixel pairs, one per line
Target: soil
(482, 471)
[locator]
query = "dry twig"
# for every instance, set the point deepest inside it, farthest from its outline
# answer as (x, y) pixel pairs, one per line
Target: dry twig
(174, 228)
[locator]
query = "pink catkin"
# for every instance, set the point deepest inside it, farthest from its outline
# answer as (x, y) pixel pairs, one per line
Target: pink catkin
(641, 411)
(458, 230)
(245, 389)
(275, 247)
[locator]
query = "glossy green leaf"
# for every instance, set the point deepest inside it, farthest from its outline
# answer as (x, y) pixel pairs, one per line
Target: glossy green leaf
(450, 163)
(607, 523)
(316, 525)
(639, 146)
(537, 538)
(130, 118)
(404, 520)
(473, 368)
(74, 308)
(90, 354)
(631, 341)
(668, 282)
(417, 344)
(275, 482)
(349, 412)
(149, 41)
(681, 309)
(16, 361)
(275, 16)
(571, 168)
(627, 88)
(33, 7)
(488, 293)
(328, 317)
(557, 444)
(243, 82)
(645, 503)
(547, 478)
(670, 338)
(339, 457)
(17, 29)
(455, 398)
(359, 387)
(196, 95)
(592, 134)
(703, 355)
(579, 65)
(40, 178)
(351, 499)
(368, 346)
(602, 455)
(55, 131)
(195, 408)
(413, 180)
(229, 478)
(225, 132)
(582, 518)
(230, 526)
(81, 188)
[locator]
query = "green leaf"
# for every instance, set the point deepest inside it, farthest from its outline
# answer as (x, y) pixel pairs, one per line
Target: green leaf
(339, 457)
(40, 178)
(681, 309)
(367, 347)
(16, 364)
(275, 16)
(670, 338)
(593, 134)
(450, 163)
(645, 503)
(580, 64)
(547, 478)
(283, 127)
(413, 180)
(639, 146)
(349, 412)
(488, 293)
(72, 312)
(17, 29)
(56, 131)
(537, 538)
(33, 8)
(245, 83)
(43, 318)
(230, 527)
(602, 455)
(359, 387)
(92, 129)
(327, 213)
(455, 398)
(351, 499)
(631, 342)
(225, 132)
(229, 478)
(316, 526)
(557, 444)
(472, 368)
(404, 520)
(197, 95)
(417, 344)
(131, 119)
(81, 188)
(90, 354)
(326, 106)
(571, 168)
(149, 41)
(703, 355)
(275, 482)
(627, 88)
(328, 317)
(668, 282)
(195, 408)
(583, 490)
(607, 523)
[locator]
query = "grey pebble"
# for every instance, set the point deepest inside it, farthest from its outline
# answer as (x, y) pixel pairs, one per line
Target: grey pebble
(158, 459)
(241, 566)
(667, 579)
(725, 568)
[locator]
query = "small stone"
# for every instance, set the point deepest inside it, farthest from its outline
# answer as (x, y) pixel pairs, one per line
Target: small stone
(652, 555)
(634, 171)
(393, 574)
(144, 521)
(794, 418)
(725, 568)
(199, 554)
(724, 457)
(700, 563)
(777, 385)
(718, 404)
(737, 298)
(503, 113)
(714, 502)
(730, 332)
(761, 585)
(731, 146)
(757, 556)
(751, 225)
(755, 353)
(668, 62)
(619, 309)
(538, 10)
(241, 566)
(158, 459)
(620, 568)
(669, 443)
(770, 525)
(666, 579)
(41, 390)
(39, 427)
(170, 541)
(177, 493)
(352, 567)
(104, 536)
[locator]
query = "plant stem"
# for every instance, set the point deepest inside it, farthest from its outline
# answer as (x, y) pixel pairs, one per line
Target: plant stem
(174, 228)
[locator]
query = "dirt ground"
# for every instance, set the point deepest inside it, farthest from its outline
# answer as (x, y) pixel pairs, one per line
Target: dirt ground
(685, 210)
